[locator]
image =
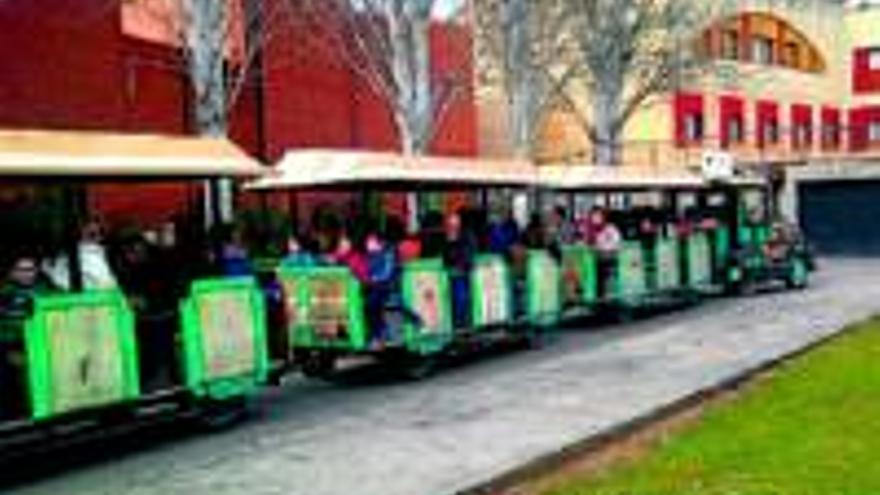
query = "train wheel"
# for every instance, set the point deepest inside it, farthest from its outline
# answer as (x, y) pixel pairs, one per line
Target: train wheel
(417, 367)
(319, 365)
(535, 338)
(798, 276)
(222, 414)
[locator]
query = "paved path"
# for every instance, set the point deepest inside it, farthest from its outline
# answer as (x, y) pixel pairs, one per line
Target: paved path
(473, 422)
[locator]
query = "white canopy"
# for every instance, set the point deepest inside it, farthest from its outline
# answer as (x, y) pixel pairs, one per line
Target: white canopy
(591, 177)
(323, 168)
(305, 169)
(97, 154)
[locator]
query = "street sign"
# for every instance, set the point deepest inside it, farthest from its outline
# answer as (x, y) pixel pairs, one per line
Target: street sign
(717, 166)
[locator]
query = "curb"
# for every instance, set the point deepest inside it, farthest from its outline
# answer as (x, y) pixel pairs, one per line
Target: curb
(545, 464)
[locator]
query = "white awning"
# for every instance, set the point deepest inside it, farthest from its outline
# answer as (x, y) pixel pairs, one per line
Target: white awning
(40, 153)
(326, 168)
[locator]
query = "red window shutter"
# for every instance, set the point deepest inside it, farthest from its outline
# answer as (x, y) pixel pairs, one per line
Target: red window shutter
(732, 110)
(686, 105)
(767, 117)
(831, 128)
(801, 125)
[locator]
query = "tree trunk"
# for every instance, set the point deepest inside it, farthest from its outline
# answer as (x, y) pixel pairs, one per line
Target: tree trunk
(606, 109)
(206, 43)
(521, 81)
(408, 26)
(409, 31)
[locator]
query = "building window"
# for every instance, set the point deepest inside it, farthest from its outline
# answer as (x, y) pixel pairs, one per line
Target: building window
(874, 132)
(802, 135)
(734, 132)
(874, 59)
(831, 133)
(792, 55)
(762, 50)
(771, 132)
(730, 45)
(693, 127)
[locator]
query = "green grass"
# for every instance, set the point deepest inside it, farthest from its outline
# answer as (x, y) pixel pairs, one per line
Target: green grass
(813, 427)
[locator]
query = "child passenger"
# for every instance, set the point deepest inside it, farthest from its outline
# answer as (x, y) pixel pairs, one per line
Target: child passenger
(383, 271)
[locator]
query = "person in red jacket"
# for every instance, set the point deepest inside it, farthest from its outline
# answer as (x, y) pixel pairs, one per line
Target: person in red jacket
(347, 255)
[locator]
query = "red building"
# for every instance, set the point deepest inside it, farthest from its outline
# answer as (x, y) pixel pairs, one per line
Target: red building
(74, 64)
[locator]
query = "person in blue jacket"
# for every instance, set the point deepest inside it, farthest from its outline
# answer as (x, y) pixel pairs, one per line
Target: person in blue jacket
(383, 275)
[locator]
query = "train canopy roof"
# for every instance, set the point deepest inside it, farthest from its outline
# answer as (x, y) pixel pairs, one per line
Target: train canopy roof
(603, 178)
(308, 169)
(86, 154)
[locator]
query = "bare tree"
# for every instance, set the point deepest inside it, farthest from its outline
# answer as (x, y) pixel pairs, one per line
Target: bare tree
(220, 42)
(387, 44)
(523, 46)
(630, 51)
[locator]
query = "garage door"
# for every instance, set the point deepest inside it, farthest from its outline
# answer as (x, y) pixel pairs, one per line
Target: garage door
(842, 217)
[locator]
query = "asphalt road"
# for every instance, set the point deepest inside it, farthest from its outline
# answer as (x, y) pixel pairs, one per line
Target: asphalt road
(482, 418)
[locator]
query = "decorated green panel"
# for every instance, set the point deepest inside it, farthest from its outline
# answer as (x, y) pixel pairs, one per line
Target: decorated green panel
(294, 289)
(425, 286)
(81, 352)
(335, 307)
(492, 303)
(699, 259)
(325, 308)
(224, 337)
(631, 280)
(543, 288)
(579, 275)
(667, 266)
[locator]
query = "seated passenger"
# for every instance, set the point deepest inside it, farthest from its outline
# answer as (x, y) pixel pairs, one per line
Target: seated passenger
(233, 258)
(346, 255)
(503, 234)
(607, 240)
(410, 248)
(534, 235)
(560, 229)
(647, 231)
(684, 226)
(20, 286)
(591, 224)
(461, 248)
(433, 237)
(94, 267)
(409, 245)
(298, 253)
(136, 274)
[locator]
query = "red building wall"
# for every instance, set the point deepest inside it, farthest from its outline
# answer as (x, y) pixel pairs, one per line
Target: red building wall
(67, 64)
(314, 99)
(59, 65)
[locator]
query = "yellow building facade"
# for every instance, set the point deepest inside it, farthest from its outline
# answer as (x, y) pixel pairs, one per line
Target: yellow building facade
(789, 80)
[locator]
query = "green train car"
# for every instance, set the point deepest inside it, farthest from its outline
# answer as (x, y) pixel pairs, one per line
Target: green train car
(78, 362)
